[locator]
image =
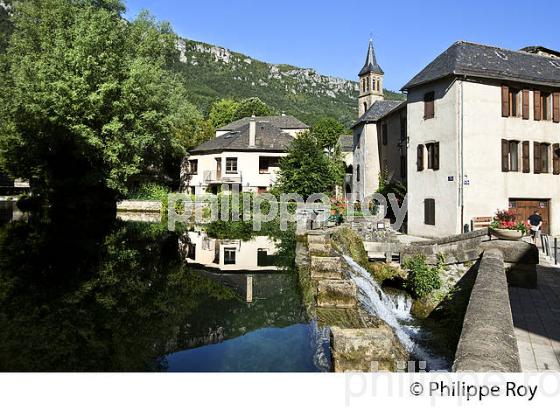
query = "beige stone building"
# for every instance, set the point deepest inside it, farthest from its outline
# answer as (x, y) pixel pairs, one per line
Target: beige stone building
(244, 153)
(484, 134)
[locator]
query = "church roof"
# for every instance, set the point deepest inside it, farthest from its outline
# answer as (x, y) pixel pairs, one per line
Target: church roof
(476, 60)
(370, 65)
(268, 138)
(378, 110)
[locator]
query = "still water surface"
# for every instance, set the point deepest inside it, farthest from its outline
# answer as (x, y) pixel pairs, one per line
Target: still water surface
(132, 296)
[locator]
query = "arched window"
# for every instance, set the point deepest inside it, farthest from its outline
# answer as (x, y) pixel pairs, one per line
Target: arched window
(364, 85)
(377, 85)
(348, 189)
(374, 84)
(358, 173)
(349, 169)
(365, 106)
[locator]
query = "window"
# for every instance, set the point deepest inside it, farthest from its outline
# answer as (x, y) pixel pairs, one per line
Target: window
(193, 166)
(384, 133)
(433, 155)
(429, 109)
(365, 108)
(377, 86)
(374, 84)
(262, 190)
(510, 156)
(403, 130)
(229, 256)
(364, 85)
(191, 251)
(420, 158)
(540, 158)
(556, 159)
(514, 100)
(265, 163)
(543, 105)
(430, 211)
(546, 106)
(231, 165)
(358, 173)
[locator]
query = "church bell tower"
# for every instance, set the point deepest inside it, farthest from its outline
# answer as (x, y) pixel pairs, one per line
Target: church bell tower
(371, 82)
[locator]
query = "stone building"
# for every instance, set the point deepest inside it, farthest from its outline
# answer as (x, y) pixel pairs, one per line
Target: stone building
(481, 130)
(244, 153)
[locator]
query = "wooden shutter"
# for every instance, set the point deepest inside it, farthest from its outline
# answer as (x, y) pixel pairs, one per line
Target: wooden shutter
(505, 155)
(526, 160)
(429, 211)
(525, 103)
(556, 159)
(556, 107)
(420, 158)
(537, 105)
(537, 157)
(436, 157)
(429, 105)
(505, 101)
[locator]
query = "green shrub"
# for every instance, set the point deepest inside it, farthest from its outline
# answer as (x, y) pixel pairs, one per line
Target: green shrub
(422, 278)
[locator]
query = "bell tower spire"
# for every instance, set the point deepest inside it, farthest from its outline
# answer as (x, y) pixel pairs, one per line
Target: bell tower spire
(371, 81)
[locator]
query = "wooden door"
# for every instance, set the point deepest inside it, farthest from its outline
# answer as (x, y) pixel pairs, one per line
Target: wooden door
(218, 168)
(523, 208)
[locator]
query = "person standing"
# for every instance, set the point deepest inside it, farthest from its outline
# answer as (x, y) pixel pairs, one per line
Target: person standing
(535, 220)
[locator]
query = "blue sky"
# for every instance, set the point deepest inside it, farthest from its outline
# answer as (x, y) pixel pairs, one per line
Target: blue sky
(332, 36)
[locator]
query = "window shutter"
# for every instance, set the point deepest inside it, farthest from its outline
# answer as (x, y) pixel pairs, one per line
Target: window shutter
(420, 158)
(505, 101)
(537, 157)
(525, 109)
(556, 107)
(526, 160)
(505, 155)
(429, 110)
(556, 159)
(537, 105)
(436, 157)
(429, 211)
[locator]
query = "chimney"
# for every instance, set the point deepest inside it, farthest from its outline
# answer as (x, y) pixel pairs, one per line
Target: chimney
(252, 131)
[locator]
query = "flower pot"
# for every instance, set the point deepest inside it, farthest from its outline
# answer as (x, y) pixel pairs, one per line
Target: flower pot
(506, 234)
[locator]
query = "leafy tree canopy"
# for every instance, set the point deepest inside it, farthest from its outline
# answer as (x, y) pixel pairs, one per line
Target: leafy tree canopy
(307, 169)
(252, 106)
(93, 102)
(328, 131)
(227, 110)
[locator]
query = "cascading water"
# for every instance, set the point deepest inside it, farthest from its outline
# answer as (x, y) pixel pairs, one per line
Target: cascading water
(320, 340)
(393, 310)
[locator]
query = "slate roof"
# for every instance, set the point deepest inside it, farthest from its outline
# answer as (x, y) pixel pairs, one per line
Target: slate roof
(378, 110)
(267, 138)
(370, 65)
(476, 60)
(285, 122)
(346, 143)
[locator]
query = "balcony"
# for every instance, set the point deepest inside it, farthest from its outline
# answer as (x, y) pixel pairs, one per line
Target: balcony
(214, 177)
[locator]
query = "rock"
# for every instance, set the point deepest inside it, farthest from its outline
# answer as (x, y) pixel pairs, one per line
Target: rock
(321, 238)
(326, 264)
(336, 293)
(366, 350)
(320, 249)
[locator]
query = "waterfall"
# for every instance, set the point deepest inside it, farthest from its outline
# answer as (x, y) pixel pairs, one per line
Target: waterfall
(376, 302)
(393, 310)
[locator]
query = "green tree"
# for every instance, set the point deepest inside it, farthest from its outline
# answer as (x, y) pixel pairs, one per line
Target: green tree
(252, 106)
(223, 112)
(93, 103)
(328, 131)
(307, 169)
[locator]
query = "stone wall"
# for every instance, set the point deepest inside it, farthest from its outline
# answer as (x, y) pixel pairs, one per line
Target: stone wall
(139, 206)
(488, 340)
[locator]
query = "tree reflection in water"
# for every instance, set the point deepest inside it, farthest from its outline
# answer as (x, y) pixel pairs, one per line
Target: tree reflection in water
(115, 296)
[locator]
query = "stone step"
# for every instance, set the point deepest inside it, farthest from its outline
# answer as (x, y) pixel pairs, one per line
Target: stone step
(319, 248)
(323, 238)
(326, 275)
(326, 264)
(336, 293)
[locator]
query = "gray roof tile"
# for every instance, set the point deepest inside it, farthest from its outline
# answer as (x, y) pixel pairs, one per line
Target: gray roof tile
(268, 138)
(378, 110)
(476, 60)
(285, 122)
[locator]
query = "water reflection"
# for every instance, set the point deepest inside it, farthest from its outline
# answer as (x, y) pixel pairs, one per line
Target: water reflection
(123, 296)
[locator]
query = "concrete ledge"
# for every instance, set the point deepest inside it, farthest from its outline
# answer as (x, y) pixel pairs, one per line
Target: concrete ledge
(488, 342)
(139, 206)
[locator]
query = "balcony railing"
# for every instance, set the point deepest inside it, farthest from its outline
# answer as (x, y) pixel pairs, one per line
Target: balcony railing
(210, 177)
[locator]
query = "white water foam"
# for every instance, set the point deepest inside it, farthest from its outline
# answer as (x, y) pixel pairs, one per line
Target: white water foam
(395, 311)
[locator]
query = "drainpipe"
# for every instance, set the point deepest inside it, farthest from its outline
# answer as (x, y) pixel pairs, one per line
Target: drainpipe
(462, 163)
